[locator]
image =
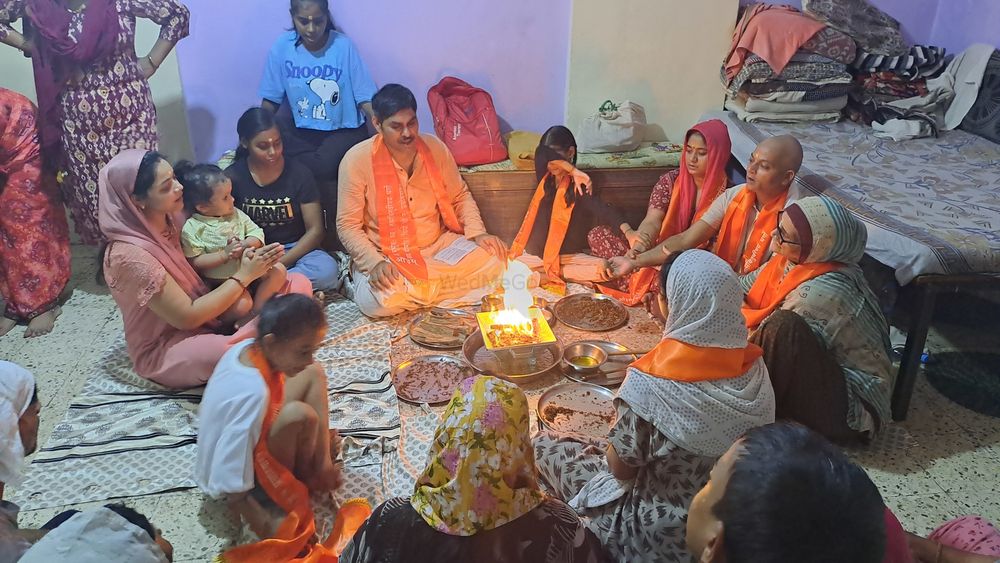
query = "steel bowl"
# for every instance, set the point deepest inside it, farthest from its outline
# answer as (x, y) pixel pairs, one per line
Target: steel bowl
(584, 358)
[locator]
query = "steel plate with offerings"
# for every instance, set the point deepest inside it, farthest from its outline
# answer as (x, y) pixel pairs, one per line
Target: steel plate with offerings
(592, 312)
(442, 329)
(429, 379)
(577, 408)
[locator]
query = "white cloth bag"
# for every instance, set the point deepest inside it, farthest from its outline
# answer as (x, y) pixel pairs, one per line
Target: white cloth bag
(616, 127)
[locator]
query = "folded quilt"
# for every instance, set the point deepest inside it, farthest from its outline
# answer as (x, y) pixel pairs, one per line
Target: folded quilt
(757, 70)
(833, 44)
(921, 61)
(796, 91)
(872, 29)
(756, 105)
(740, 110)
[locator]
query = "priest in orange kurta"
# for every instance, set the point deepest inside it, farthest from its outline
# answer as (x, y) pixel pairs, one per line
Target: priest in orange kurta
(401, 201)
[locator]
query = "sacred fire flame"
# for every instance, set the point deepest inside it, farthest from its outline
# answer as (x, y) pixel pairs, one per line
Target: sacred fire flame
(517, 300)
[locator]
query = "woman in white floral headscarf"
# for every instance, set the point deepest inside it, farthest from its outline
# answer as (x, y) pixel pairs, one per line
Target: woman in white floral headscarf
(478, 499)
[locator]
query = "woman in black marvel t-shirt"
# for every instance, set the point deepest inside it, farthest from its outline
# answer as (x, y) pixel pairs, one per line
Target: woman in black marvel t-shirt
(282, 198)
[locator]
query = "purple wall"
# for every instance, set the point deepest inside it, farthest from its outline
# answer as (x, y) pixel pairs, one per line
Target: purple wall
(960, 23)
(516, 50)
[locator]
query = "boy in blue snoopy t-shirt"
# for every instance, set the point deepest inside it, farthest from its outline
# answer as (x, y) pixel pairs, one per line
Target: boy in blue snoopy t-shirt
(325, 88)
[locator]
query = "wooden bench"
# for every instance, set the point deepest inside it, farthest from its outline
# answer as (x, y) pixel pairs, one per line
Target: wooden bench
(503, 196)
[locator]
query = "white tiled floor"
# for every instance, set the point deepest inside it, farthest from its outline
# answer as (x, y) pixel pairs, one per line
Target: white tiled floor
(943, 462)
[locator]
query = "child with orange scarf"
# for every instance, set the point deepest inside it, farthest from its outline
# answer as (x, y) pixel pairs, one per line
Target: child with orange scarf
(740, 219)
(680, 407)
(679, 199)
(562, 211)
(264, 442)
(825, 340)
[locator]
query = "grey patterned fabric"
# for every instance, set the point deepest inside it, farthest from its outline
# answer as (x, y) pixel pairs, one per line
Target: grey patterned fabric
(648, 522)
(756, 69)
(872, 29)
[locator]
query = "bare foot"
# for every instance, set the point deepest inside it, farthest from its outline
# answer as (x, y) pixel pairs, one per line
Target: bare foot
(42, 324)
(320, 297)
(6, 325)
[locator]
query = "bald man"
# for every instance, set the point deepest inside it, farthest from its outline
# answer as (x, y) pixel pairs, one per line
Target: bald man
(741, 219)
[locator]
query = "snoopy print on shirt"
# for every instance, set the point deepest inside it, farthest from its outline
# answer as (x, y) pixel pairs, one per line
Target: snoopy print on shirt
(325, 88)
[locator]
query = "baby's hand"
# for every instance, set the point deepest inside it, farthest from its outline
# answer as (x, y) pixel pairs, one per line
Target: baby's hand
(234, 250)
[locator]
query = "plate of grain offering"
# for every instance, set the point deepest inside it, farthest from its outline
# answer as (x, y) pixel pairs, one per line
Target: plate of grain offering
(577, 408)
(591, 312)
(442, 329)
(429, 379)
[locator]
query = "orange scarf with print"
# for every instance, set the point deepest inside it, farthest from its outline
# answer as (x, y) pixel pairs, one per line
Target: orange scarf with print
(295, 537)
(394, 217)
(565, 173)
(773, 285)
(680, 361)
(730, 237)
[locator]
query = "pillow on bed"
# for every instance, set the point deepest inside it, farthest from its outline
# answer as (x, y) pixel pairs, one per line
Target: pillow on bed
(984, 117)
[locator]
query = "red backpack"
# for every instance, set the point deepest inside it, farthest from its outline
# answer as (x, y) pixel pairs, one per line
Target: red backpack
(465, 119)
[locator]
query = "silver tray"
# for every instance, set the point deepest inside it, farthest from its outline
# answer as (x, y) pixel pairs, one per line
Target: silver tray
(435, 346)
(511, 364)
(435, 391)
(611, 374)
(561, 311)
(581, 397)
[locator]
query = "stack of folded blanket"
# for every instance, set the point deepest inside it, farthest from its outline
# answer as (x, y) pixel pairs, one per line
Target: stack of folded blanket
(787, 67)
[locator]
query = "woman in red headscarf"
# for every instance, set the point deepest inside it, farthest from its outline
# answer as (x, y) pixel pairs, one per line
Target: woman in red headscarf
(679, 198)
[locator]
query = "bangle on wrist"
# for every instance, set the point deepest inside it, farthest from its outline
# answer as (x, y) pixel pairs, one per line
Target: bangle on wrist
(150, 59)
(242, 285)
(937, 556)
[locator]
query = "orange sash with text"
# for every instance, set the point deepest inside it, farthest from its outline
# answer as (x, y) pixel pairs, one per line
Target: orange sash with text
(295, 539)
(562, 212)
(730, 237)
(773, 285)
(394, 217)
(680, 361)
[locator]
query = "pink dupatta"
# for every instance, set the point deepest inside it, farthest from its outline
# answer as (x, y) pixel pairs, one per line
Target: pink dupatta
(121, 221)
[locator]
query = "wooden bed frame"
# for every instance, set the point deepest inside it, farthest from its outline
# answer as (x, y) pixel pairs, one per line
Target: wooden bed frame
(927, 287)
(503, 196)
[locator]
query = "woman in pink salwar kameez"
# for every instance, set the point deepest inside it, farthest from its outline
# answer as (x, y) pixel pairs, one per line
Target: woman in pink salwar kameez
(170, 316)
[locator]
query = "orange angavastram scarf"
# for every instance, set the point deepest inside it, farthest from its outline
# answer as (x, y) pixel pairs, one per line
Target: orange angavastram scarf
(294, 539)
(730, 237)
(565, 173)
(680, 361)
(394, 217)
(773, 285)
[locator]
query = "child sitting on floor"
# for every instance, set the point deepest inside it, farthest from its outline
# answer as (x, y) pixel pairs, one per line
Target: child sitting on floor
(264, 422)
(216, 235)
